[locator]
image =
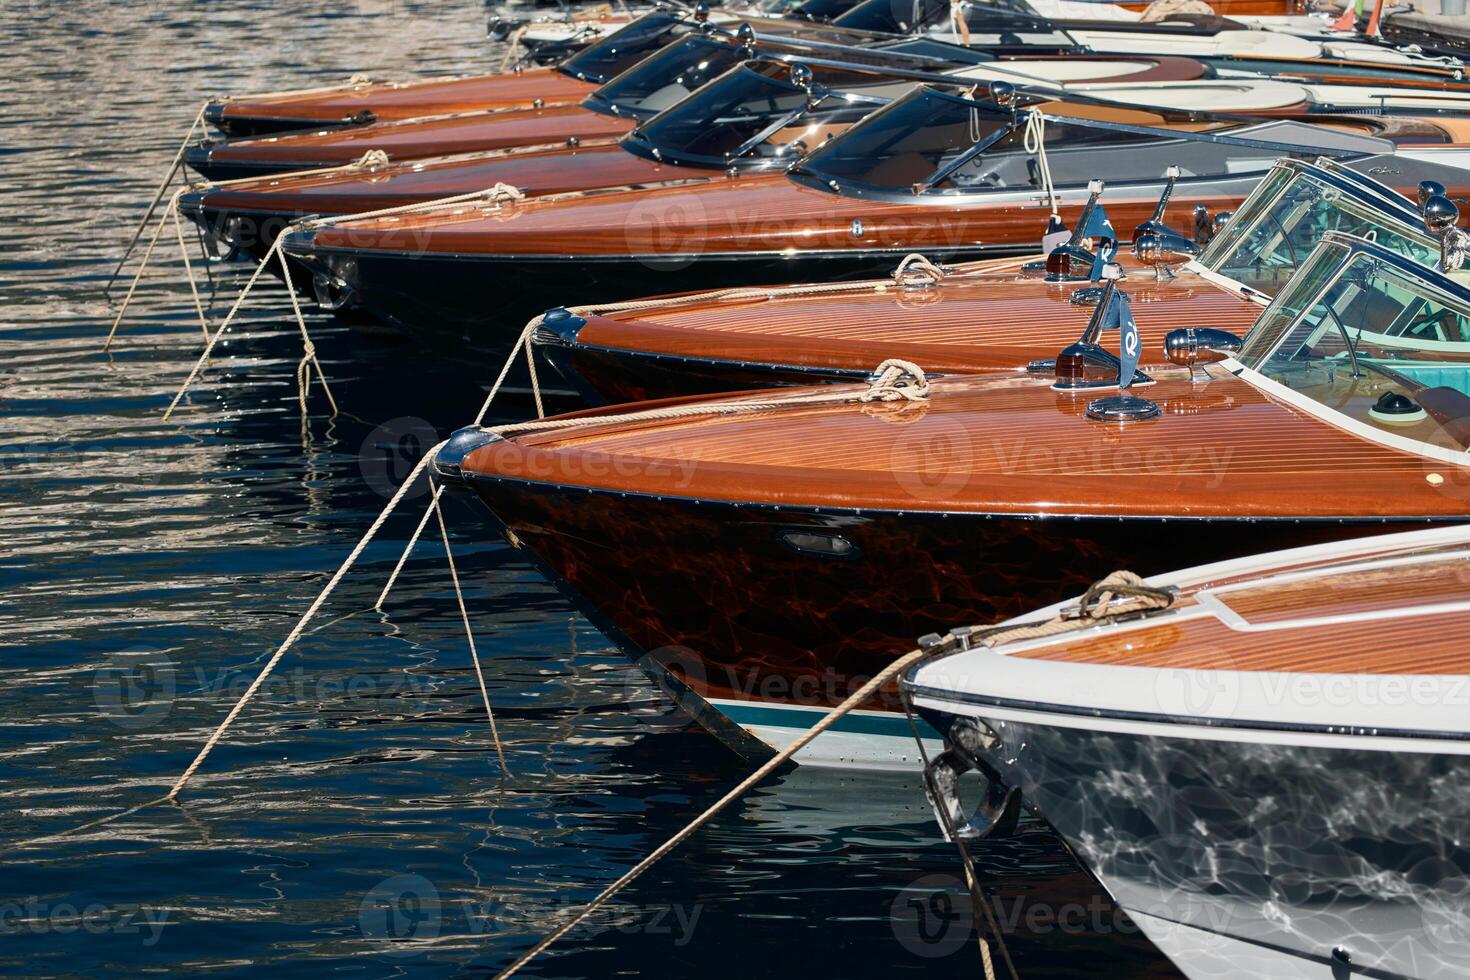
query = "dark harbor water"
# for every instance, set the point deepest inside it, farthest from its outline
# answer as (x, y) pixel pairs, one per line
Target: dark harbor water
(355, 821)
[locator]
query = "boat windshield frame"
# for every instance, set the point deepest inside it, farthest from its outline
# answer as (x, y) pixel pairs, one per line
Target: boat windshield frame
(574, 66)
(804, 171)
(643, 139)
(600, 102)
(1338, 254)
(1336, 187)
(987, 16)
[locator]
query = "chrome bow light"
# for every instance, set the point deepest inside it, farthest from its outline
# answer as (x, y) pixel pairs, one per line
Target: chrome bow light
(1428, 189)
(1441, 216)
(1003, 94)
(1158, 245)
(1070, 261)
(1194, 347)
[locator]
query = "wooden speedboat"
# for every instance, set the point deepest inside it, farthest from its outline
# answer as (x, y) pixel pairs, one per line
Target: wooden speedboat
(752, 119)
(359, 102)
(710, 343)
(550, 39)
(961, 186)
(780, 552)
(656, 82)
(1270, 775)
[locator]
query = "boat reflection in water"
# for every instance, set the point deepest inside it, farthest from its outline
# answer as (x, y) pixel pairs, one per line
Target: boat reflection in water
(1271, 775)
(775, 555)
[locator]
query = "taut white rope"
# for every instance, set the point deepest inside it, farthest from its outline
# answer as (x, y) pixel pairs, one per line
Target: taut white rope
(469, 633)
(168, 176)
(1035, 144)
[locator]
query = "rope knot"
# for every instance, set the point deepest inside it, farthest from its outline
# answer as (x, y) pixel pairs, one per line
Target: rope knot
(371, 160)
(504, 192)
(896, 380)
(917, 270)
(1119, 593)
(359, 79)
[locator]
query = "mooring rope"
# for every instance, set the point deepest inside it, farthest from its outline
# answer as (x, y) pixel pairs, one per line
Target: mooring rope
(914, 269)
(894, 380)
(1035, 144)
(308, 358)
(469, 633)
(438, 488)
(308, 349)
(511, 43)
(270, 665)
(499, 192)
(188, 269)
(133, 286)
(1118, 594)
(168, 176)
(917, 270)
(771, 765)
(961, 24)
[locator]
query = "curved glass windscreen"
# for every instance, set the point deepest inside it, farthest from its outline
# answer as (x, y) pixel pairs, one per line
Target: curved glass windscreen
(1276, 228)
(894, 16)
(663, 79)
(746, 117)
(816, 11)
(1357, 323)
(999, 21)
(602, 62)
(935, 143)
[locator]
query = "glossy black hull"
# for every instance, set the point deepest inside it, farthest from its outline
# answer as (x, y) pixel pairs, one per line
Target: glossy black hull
(198, 159)
(480, 304)
(247, 236)
(760, 616)
(1198, 837)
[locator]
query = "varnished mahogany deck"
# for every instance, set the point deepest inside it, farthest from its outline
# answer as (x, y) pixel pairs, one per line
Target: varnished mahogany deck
(410, 100)
(594, 164)
(1407, 644)
(998, 445)
(417, 138)
(963, 325)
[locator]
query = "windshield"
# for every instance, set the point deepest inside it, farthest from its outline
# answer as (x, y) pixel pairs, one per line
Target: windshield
(1408, 327)
(819, 11)
(665, 78)
(1276, 228)
(746, 117)
(995, 20)
(624, 48)
(934, 143)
